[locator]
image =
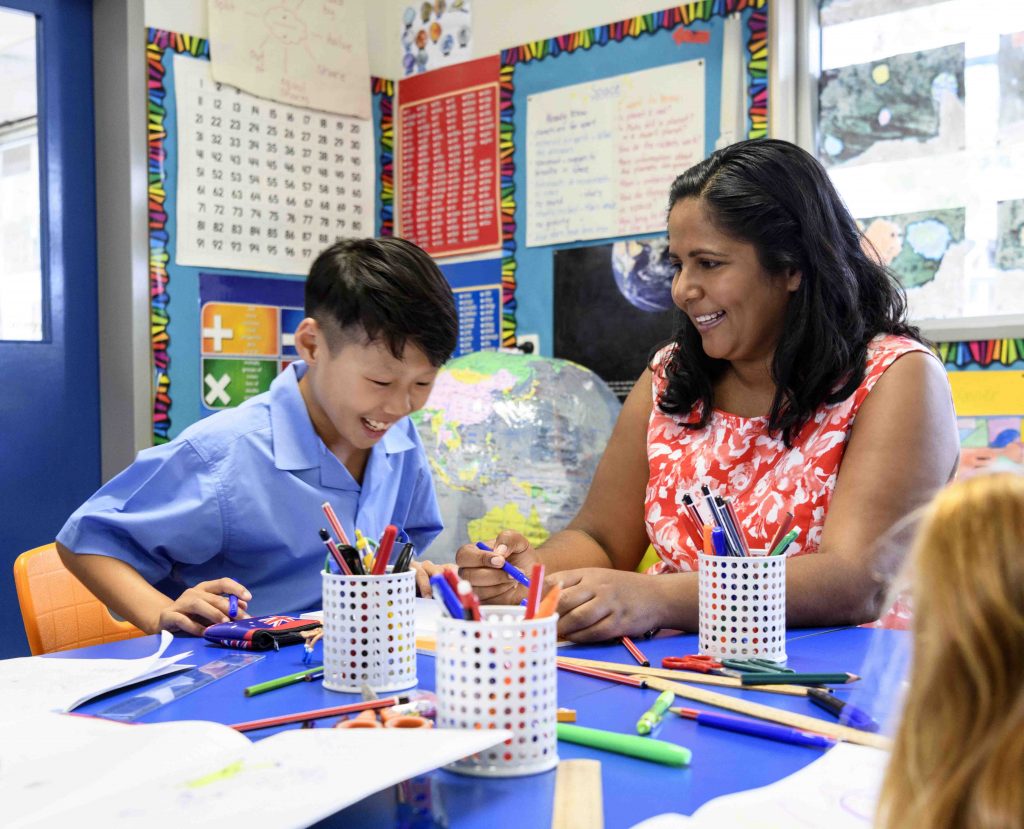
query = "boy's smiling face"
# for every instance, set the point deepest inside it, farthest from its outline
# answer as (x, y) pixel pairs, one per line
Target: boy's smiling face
(357, 392)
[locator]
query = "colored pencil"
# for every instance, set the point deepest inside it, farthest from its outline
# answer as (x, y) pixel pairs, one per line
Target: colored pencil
(320, 713)
(281, 682)
(597, 674)
(638, 655)
(332, 519)
(798, 679)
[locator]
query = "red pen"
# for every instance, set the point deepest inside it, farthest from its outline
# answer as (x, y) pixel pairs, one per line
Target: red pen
(387, 541)
(335, 523)
(536, 585)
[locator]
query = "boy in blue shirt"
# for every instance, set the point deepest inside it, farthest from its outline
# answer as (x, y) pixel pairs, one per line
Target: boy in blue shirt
(232, 506)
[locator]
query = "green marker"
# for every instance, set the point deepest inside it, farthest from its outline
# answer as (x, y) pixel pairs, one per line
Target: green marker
(280, 682)
(652, 716)
(657, 751)
(787, 539)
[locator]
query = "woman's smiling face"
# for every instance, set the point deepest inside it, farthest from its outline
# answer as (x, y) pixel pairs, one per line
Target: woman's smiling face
(734, 303)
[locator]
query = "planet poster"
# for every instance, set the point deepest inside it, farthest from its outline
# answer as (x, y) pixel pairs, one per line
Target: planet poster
(612, 307)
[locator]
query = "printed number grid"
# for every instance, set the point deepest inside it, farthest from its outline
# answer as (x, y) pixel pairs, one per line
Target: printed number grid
(264, 186)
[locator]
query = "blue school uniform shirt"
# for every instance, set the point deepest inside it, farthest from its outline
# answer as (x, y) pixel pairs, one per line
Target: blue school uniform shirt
(239, 495)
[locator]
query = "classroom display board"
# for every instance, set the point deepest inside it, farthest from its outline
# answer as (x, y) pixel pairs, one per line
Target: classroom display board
(477, 289)
(244, 193)
(448, 196)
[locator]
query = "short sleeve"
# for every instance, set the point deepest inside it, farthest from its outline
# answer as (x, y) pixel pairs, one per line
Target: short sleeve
(162, 510)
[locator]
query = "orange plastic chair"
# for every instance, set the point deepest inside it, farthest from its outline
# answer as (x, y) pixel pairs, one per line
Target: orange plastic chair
(59, 613)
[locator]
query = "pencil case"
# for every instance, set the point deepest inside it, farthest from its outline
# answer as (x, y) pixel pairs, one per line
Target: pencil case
(261, 633)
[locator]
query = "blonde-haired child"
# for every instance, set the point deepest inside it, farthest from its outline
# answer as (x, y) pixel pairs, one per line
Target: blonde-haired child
(958, 756)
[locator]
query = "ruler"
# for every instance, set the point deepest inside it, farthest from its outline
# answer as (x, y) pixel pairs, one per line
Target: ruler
(176, 687)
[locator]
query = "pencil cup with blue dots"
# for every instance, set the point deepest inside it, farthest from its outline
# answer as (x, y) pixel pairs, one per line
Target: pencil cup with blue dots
(742, 606)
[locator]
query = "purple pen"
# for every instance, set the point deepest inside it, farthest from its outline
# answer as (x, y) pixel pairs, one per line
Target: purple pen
(755, 728)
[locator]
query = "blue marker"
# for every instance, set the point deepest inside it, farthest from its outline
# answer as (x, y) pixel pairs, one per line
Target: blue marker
(755, 728)
(232, 606)
(512, 570)
(443, 590)
(718, 542)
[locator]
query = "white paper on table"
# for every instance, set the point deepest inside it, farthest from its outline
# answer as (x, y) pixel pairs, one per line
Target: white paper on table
(204, 774)
(41, 683)
(839, 791)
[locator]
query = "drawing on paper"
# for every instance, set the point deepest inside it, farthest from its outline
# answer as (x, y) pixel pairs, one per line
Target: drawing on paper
(308, 53)
(435, 34)
(990, 444)
(1011, 87)
(914, 245)
(893, 108)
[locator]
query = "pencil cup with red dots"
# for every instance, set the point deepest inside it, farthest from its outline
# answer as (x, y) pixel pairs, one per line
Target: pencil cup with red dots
(742, 607)
(500, 673)
(369, 632)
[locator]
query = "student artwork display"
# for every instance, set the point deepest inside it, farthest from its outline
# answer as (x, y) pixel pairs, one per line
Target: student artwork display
(265, 186)
(922, 124)
(613, 304)
(248, 335)
(602, 154)
(447, 176)
(310, 54)
(435, 34)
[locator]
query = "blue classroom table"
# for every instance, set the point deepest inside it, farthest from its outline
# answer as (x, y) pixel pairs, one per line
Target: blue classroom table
(723, 762)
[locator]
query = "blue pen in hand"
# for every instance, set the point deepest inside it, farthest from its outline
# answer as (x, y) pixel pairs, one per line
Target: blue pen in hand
(232, 606)
(512, 570)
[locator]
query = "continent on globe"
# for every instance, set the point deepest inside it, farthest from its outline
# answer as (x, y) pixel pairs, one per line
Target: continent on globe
(513, 441)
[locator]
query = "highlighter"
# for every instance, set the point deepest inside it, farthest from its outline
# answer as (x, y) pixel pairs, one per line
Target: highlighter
(652, 716)
(657, 751)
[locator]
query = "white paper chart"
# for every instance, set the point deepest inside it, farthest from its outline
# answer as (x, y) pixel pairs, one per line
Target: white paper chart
(265, 186)
(602, 155)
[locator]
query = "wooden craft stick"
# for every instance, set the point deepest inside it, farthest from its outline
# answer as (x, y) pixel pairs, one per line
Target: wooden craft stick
(579, 803)
(766, 712)
(685, 676)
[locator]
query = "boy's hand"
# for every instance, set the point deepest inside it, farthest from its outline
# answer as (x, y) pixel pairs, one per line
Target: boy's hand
(483, 568)
(424, 570)
(203, 605)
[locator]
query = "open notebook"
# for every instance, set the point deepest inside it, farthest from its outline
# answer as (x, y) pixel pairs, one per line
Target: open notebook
(200, 774)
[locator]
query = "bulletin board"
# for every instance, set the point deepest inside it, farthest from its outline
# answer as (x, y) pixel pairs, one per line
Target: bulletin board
(693, 32)
(221, 324)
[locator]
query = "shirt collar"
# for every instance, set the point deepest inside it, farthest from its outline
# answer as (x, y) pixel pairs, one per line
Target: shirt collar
(296, 443)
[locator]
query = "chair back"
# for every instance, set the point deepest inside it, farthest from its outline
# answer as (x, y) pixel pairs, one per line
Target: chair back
(59, 613)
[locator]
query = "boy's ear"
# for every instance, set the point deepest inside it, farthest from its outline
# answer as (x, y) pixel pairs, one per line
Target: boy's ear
(309, 339)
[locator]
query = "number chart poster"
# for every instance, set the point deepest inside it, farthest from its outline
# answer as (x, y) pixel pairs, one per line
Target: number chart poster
(681, 34)
(234, 198)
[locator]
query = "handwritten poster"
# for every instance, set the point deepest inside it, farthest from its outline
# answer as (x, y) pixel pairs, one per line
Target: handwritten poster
(448, 198)
(311, 54)
(601, 155)
(264, 186)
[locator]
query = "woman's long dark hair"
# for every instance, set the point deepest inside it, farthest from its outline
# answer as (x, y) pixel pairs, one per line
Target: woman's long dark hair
(777, 197)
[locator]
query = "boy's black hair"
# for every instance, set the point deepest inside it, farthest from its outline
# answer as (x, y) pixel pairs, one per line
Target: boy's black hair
(777, 197)
(387, 288)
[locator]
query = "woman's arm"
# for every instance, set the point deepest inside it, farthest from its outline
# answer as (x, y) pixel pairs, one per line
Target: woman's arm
(903, 448)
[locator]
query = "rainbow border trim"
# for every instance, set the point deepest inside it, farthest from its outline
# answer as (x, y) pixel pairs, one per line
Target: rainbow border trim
(984, 353)
(757, 110)
(384, 92)
(158, 42)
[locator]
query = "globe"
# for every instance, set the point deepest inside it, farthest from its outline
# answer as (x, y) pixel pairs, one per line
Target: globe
(643, 273)
(513, 441)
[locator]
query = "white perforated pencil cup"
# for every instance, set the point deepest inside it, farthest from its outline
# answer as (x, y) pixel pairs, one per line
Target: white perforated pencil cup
(369, 632)
(500, 673)
(742, 607)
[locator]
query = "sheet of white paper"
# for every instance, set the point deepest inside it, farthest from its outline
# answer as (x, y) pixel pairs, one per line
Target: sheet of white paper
(311, 54)
(839, 791)
(202, 774)
(40, 683)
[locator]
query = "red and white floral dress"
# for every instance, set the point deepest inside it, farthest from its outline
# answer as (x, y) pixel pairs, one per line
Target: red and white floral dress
(737, 458)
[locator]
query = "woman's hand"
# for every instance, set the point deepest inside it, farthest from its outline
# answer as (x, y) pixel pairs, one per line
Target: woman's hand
(483, 568)
(598, 604)
(424, 570)
(203, 605)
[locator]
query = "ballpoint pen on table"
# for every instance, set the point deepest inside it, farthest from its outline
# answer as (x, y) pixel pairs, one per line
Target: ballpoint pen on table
(847, 714)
